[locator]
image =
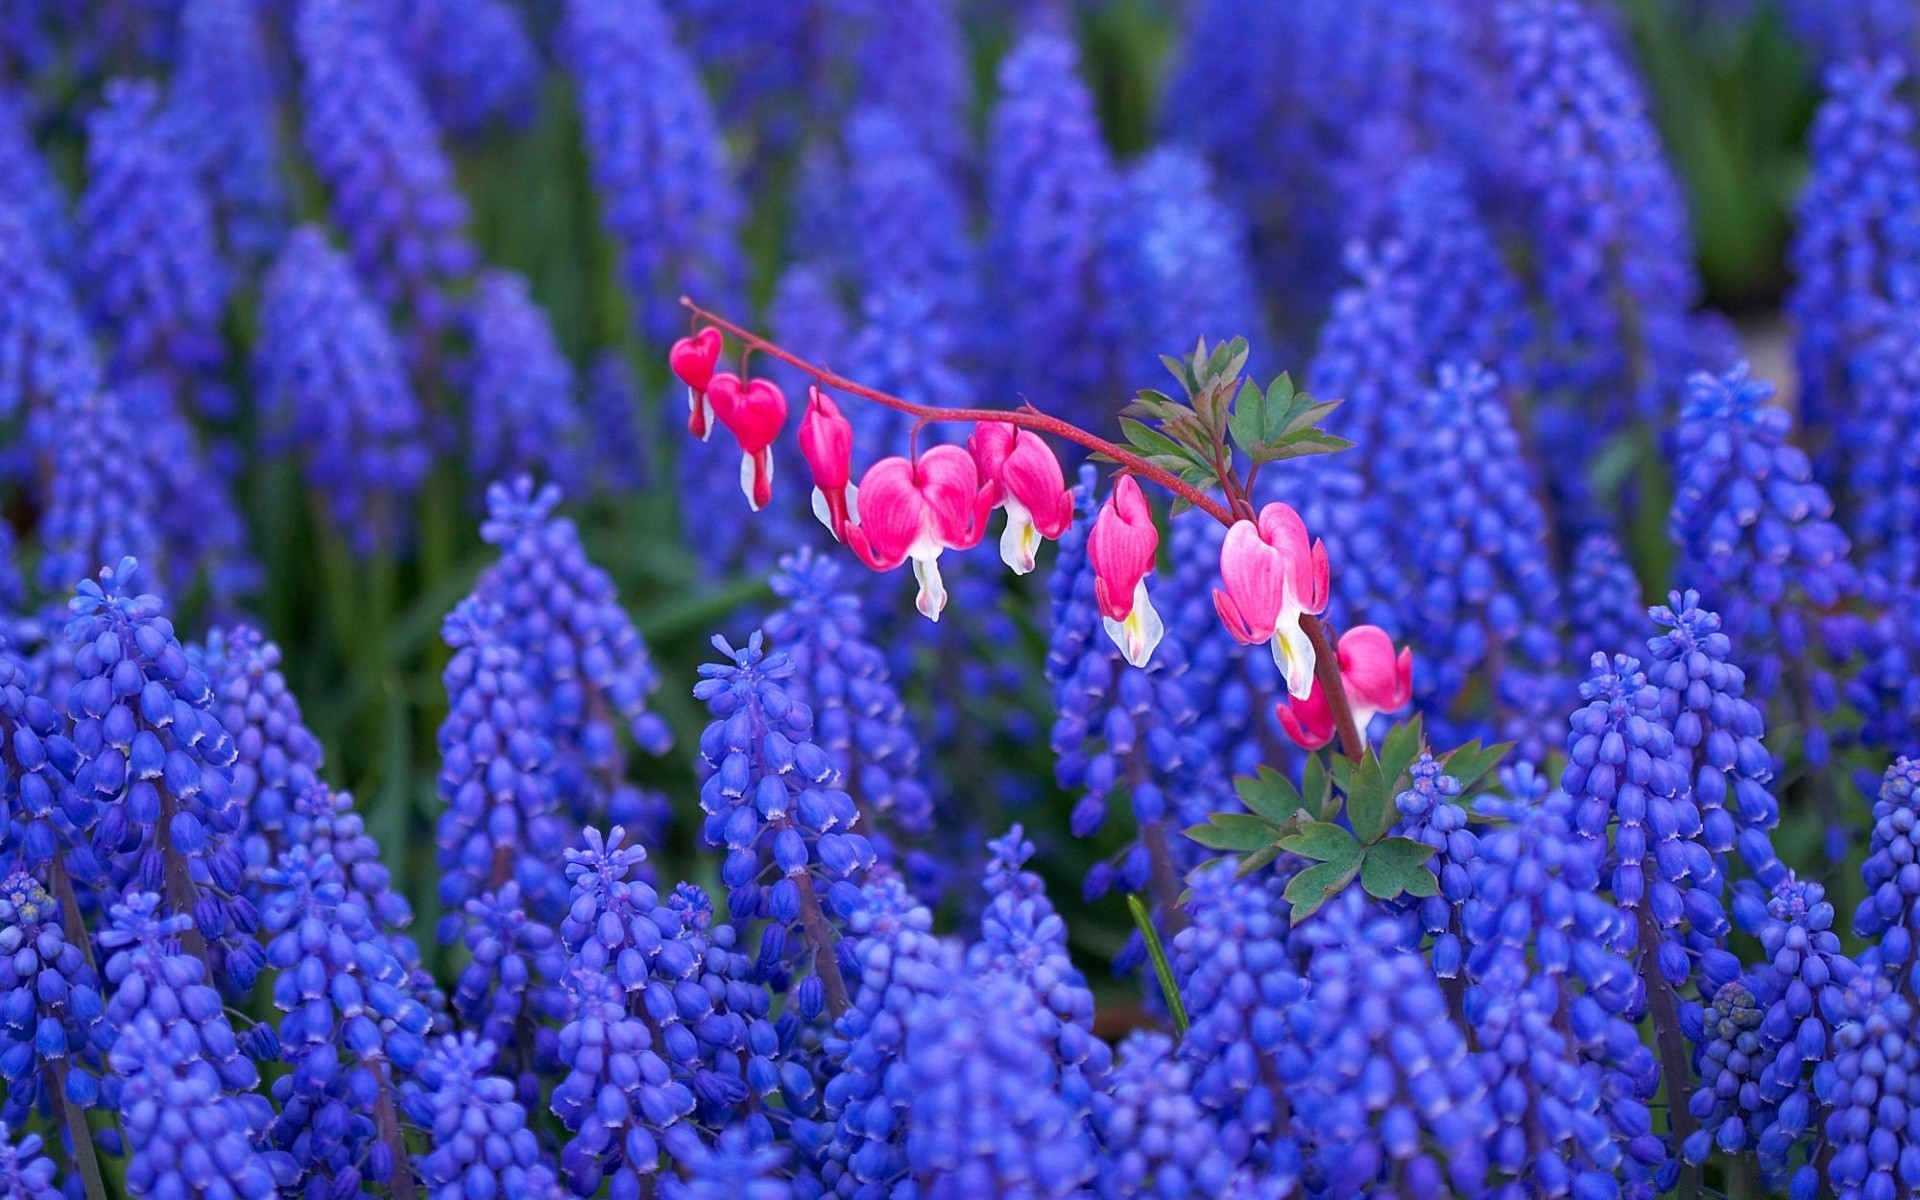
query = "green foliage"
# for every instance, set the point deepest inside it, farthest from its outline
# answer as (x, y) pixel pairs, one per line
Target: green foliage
(1162, 969)
(1194, 439)
(1340, 818)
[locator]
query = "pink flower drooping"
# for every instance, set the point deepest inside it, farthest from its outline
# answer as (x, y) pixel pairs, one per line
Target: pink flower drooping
(1031, 488)
(826, 441)
(754, 412)
(914, 510)
(693, 360)
(1121, 548)
(1376, 681)
(1273, 575)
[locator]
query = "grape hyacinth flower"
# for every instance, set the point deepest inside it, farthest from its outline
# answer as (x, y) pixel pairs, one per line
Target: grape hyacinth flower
(736, 1169)
(24, 1171)
(351, 1031)
(193, 504)
(1703, 702)
(1050, 185)
(480, 1143)
(1889, 914)
(374, 145)
(278, 758)
(903, 198)
(910, 57)
(1755, 537)
(333, 383)
(49, 823)
(52, 1035)
(617, 462)
(151, 976)
(858, 716)
(577, 648)
(34, 191)
(186, 1136)
(157, 761)
(657, 157)
(1871, 1078)
(1875, 441)
(46, 355)
(502, 821)
(222, 115)
(1605, 614)
(1158, 1141)
(1176, 261)
(523, 413)
(149, 257)
(1856, 243)
(771, 792)
(1614, 255)
(474, 59)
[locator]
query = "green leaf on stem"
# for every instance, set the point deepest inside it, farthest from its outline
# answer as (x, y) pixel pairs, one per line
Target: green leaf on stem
(1397, 865)
(1269, 794)
(1316, 885)
(1162, 969)
(1369, 801)
(1323, 841)
(1472, 763)
(1238, 832)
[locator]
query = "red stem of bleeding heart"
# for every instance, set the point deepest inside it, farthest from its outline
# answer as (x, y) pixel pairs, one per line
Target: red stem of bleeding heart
(1326, 662)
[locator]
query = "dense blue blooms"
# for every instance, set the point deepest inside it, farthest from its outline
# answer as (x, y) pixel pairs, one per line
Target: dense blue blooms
(618, 1100)
(1050, 185)
(1869, 1083)
(1123, 734)
(152, 976)
(579, 652)
(1889, 913)
(1431, 814)
(333, 385)
(667, 196)
(611, 404)
(502, 820)
(26, 1172)
(51, 1028)
(737, 1169)
(1605, 612)
(187, 1136)
(1856, 245)
(277, 757)
(157, 761)
(1157, 1140)
(1476, 541)
(1886, 688)
(911, 218)
(1839, 33)
(1876, 439)
(350, 1026)
(1607, 218)
(985, 1112)
(479, 1143)
(192, 501)
(1371, 355)
(1703, 703)
(46, 816)
(374, 145)
(858, 715)
(1176, 264)
(523, 414)
(222, 115)
(46, 358)
(909, 56)
(474, 59)
(149, 250)
(32, 189)
(1753, 531)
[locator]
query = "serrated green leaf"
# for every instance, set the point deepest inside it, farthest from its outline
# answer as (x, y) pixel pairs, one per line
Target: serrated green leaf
(1315, 886)
(1473, 762)
(1305, 445)
(1369, 801)
(1398, 865)
(1323, 841)
(1269, 793)
(1162, 969)
(1398, 753)
(1181, 370)
(1239, 832)
(1309, 416)
(1316, 789)
(1146, 439)
(1249, 863)
(1248, 424)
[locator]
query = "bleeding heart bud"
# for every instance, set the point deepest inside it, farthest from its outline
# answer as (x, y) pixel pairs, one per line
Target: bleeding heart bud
(826, 441)
(693, 360)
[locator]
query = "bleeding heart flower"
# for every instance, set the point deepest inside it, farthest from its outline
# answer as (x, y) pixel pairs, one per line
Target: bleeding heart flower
(914, 510)
(693, 359)
(1031, 488)
(826, 441)
(1376, 681)
(1273, 575)
(1121, 547)
(754, 413)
